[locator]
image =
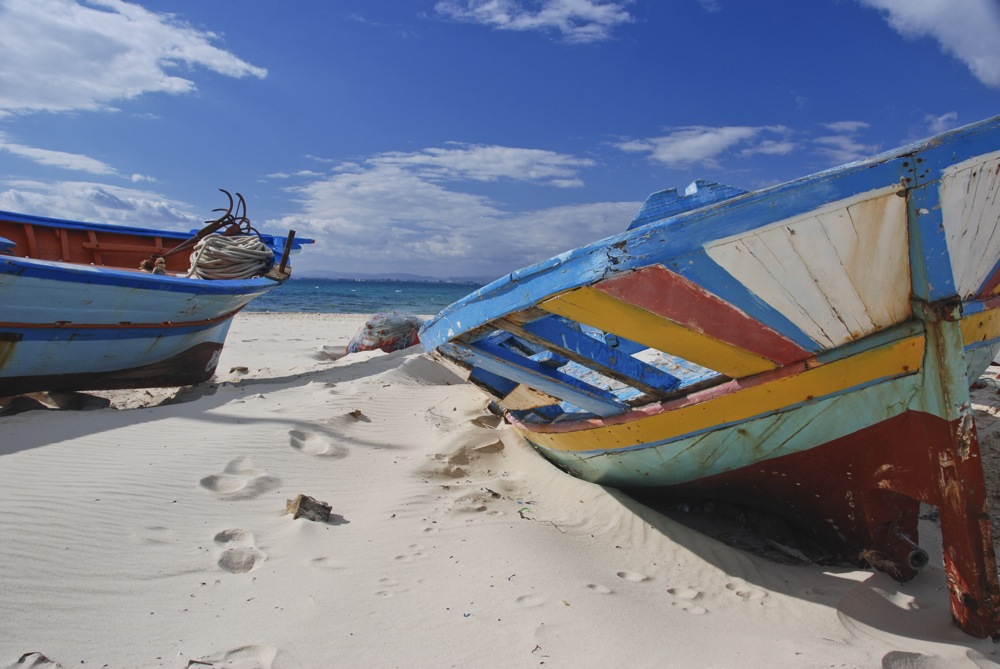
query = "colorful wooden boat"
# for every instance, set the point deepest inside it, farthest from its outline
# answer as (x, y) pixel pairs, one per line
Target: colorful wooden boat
(77, 313)
(807, 347)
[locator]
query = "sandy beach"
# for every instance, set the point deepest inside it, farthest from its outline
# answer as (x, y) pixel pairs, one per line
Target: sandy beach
(153, 533)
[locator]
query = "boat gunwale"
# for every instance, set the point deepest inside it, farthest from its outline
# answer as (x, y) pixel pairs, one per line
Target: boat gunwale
(677, 236)
(127, 278)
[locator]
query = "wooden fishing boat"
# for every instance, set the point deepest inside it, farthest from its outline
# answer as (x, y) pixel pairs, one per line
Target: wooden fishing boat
(78, 313)
(807, 347)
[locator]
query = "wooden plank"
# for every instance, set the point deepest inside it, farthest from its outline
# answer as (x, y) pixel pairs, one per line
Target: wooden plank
(29, 237)
(523, 398)
(63, 236)
(95, 247)
(969, 194)
(838, 275)
(495, 359)
(980, 327)
(113, 247)
(702, 270)
(556, 334)
(604, 312)
(713, 408)
(662, 292)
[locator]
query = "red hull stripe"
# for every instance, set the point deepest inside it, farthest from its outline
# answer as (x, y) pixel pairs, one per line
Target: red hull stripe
(671, 296)
(991, 284)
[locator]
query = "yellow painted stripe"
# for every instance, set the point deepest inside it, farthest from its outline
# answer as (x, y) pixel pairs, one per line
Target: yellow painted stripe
(981, 326)
(891, 360)
(610, 314)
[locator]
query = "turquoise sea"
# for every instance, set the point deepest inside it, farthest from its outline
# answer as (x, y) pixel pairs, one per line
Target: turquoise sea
(344, 296)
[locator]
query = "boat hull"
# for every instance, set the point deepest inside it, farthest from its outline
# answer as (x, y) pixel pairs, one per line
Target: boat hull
(71, 329)
(77, 314)
(808, 347)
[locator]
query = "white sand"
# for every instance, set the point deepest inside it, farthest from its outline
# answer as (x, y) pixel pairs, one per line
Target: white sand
(156, 537)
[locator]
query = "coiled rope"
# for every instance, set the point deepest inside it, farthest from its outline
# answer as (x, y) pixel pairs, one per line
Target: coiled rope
(220, 257)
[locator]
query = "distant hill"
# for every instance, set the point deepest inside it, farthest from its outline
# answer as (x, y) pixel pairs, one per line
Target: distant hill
(397, 276)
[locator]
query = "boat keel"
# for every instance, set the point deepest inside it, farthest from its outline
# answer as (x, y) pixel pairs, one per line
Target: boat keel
(866, 489)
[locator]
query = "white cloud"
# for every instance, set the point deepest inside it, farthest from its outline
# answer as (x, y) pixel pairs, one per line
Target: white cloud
(846, 126)
(966, 29)
(61, 55)
(843, 146)
(50, 158)
(941, 123)
(411, 210)
(96, 202)
(703, 145)
(577, 21)
(489, 163)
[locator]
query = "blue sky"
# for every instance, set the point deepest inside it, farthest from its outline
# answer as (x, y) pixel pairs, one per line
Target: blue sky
(461, 137)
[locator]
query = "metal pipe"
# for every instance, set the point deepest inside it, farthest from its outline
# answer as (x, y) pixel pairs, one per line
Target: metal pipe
(917, 558)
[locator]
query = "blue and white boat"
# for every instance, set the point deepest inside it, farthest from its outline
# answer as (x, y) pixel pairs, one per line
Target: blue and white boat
(77, 311)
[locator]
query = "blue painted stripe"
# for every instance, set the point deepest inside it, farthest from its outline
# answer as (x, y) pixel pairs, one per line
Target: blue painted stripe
(83, 274)
(498, 360)
(560, 333)
(710, 275)
(500, 385)
(277, 243)
(930, 262)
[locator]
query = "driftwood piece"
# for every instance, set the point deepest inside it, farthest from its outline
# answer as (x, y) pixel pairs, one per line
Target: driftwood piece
(304, 506)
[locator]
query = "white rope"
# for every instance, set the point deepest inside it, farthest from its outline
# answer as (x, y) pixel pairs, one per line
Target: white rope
(219, 257)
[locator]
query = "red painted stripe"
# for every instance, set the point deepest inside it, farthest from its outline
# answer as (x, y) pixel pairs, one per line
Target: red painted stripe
(991, 284)
(660, 291)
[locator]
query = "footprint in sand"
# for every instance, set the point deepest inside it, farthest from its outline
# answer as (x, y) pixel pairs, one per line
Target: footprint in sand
(688, 594)
(311, 443)
(685, 598)
(693, 609)
(745, 592)
(240, 481)
(239, 555)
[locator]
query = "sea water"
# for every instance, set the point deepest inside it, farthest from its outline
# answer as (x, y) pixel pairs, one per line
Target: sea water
(345, 296)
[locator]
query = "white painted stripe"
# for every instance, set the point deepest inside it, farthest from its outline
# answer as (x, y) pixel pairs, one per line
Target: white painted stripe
(970, 207)
(838, 273)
